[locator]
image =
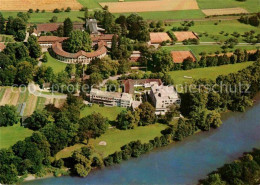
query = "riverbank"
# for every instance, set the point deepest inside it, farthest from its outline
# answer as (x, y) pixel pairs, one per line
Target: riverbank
(178, 162)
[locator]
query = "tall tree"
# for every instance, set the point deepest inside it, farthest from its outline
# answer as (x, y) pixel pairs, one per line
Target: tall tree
(34, 47)
(8, 115)
(2, 24)
(68, 27)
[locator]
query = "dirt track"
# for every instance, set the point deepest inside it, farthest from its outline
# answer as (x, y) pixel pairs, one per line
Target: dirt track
(9, 5)
(148, 6)
(224, 11)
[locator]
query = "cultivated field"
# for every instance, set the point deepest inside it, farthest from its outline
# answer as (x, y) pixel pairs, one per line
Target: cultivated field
(224, 11)
(183, 35)
(159, 37)
(149, 6)
(10, 5)
(14, 97)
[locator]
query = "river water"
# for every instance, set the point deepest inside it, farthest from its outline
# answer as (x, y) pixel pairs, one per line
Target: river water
(184, 162)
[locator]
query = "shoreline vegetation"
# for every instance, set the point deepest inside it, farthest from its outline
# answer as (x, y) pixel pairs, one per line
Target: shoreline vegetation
(136, 148)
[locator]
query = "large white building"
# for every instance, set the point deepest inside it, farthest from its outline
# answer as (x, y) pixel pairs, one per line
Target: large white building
(162, 97)
(110, 98)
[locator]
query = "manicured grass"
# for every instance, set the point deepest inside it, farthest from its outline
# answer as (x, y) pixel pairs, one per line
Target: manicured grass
(213, 30)
(56, 65)
(209, 49)
(75, 16)
(250, 5)
(91, 4)
(117, 138)
(109, 112)
(164, 15)
(208, 72)
(11, 134)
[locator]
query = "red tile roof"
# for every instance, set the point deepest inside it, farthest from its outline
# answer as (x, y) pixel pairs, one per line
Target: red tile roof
(2, 46)
(103, 37)
(180, 56)
(159, 37)
(43, 39)
(57, 48)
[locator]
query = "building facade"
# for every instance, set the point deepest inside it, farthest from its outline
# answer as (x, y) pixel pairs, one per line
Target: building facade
(162, 97)
(110, 98)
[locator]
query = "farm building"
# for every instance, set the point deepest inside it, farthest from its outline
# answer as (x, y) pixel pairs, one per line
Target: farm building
(159, 37)
(106, 38)
(184, 35)
(135, 56)
(179, 56)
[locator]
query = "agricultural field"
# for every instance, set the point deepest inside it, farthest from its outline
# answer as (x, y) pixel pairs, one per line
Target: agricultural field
(117, 138)
(210, 31)
(109, 112)
(11, 134)
(6, 38)
(208, 72)
(169, 15)
(149, 6)
(91, 4)
(12, 96)
(56, 65)
(209, 49)
(249, 5)
(43, 4)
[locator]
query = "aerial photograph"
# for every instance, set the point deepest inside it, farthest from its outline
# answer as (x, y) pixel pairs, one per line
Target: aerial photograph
(130, 92)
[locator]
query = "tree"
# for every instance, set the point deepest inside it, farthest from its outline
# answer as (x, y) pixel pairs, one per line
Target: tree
(60, 31)
(38, 120)
(2, 24)
(78, 41)
(147, 114)
(92, 126)
(24, 73)
(34, 47)
(8, 115)
(20, 35)
(68, 27)
(188, 63)
(213, 119)
(174, 111)
(95, 79)
(54, 19)
(161, 61)
(86, 13)
(138, 28)
(125, 120)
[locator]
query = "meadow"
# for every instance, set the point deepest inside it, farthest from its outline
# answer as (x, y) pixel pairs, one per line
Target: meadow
(209, 49)
(11, 134)
(117, 138)
(209, 32)
(55, 64)
(109, 112)
(209, 72)
(250, 5)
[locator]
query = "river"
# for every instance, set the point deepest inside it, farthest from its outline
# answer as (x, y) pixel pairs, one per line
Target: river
(184, 162)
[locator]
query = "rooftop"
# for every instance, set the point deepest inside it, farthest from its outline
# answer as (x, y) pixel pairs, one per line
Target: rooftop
(180, 56)
(51, 39)
(2, 46)
(159, 37)
(57, 48)
(129, 84)
(112, 95)
(183, 35)
(162, 92)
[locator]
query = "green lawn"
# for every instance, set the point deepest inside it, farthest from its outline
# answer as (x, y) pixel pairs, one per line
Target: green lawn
(56, 65)
(250, 5)
(91, 4)
(164, 15)
(109, 112)
(11, 134)
(211, 49)
(213, 30)
(115, 139)
(208, 72)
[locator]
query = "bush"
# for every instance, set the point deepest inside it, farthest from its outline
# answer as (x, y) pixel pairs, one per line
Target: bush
(56, 10)
(68, 9)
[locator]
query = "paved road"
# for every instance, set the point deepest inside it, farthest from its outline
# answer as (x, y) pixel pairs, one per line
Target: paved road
(36, 91)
